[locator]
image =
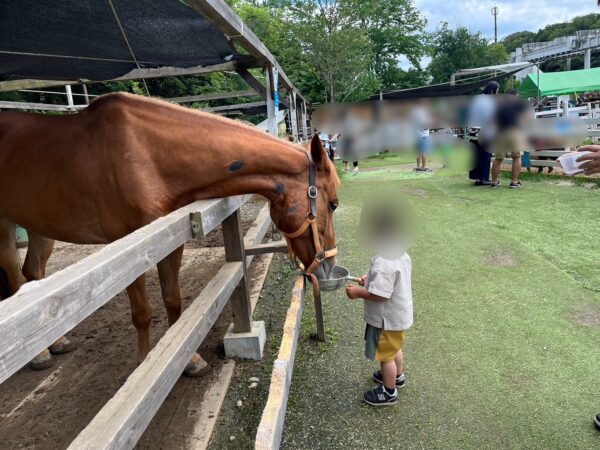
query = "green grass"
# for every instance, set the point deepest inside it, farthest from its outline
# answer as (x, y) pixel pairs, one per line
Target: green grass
(497, 357)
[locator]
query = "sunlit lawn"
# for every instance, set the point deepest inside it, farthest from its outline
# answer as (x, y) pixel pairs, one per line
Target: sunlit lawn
(504, 352)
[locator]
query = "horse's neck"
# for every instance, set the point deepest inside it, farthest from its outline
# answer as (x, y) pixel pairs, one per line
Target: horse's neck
(243, 162)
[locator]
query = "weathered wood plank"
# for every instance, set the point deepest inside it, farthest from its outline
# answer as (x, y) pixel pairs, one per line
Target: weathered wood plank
(269, 247)
(238, 107)
(234, 251)
(44, 310)
(551, 153)
(270, 429)
(535, 163)
(126, 415)
(215, 96)
(208, 413)
(136, 74)
(257, 230)
(39, 106)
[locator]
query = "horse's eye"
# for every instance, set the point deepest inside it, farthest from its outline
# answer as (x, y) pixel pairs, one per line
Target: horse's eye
(333, 205)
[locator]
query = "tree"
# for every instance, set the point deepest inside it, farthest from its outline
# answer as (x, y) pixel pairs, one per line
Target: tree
(456, 49)
(396, 29)
(516, 40)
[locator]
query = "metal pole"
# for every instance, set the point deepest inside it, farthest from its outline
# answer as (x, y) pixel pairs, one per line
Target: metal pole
(69, 96)
(495, 11)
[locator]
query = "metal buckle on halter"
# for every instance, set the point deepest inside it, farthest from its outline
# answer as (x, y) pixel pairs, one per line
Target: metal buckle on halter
(312, 192)
(320, 256)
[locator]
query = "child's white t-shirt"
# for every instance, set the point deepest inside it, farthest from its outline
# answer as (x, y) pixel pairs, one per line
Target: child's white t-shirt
(390, 278)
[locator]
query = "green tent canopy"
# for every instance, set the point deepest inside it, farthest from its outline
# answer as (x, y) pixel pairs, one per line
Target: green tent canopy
(556, 83)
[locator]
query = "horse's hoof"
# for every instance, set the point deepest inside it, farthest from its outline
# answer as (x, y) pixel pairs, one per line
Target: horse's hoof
(62, 346)
(42, 361)
(196, 367)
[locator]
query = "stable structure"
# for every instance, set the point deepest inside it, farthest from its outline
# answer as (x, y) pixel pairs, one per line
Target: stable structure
(126, 40)
(129, 40)
(583, 41)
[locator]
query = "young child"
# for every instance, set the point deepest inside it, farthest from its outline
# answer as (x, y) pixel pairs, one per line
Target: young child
(387, 298)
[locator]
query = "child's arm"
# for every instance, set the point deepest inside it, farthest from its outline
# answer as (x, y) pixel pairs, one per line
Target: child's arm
(355, 292)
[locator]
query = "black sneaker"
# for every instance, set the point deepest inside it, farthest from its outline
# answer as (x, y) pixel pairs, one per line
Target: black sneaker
(597, 421)
(378, 396)
(400, 379)
(482, 183)
(515, 185)
(494, 184)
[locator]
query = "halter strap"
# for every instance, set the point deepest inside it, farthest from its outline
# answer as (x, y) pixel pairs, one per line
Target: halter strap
(310, 223)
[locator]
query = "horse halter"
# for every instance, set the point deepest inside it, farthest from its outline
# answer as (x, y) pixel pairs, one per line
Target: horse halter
(310, 223)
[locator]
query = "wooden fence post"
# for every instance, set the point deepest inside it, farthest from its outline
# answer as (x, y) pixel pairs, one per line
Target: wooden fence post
(233, 240)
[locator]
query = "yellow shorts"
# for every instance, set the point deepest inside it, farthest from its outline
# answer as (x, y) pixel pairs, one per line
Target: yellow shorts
(509, 144)
(382, 345)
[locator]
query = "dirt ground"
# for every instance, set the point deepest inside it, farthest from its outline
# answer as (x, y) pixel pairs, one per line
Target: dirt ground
(47, 409)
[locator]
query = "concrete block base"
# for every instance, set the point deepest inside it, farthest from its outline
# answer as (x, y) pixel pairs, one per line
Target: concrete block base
(246, 345)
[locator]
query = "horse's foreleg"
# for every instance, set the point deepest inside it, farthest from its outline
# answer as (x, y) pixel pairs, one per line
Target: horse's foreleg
(9, 261)
(141, 314)
(9, 257)
(39, 250)
(168, 273)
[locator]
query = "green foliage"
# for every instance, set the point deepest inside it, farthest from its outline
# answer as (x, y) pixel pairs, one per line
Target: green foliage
(516, 40)
(456, 49)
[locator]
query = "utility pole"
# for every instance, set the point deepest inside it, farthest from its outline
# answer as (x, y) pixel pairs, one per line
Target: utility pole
(495, 12)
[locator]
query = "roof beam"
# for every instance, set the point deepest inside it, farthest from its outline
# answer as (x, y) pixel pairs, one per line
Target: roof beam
(215, 96)
(136, 74)
(39, 106)
(228, 108)
(219, 12)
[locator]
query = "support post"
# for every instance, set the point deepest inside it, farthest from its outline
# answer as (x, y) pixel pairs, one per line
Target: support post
(244, 338)
(568, 64)
(85, 94)
(587, 59)
(304, 122)
(293, 118)
(233, 240)
(272, 119)
(69, 96)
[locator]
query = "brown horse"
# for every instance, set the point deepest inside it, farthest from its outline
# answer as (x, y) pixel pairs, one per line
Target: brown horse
(96, 176)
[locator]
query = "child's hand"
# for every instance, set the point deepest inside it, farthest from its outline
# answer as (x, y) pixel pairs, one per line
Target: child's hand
(352, 291)
(362, 281)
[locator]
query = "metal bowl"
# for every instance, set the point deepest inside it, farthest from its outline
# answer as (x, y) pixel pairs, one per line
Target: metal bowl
(338, 278)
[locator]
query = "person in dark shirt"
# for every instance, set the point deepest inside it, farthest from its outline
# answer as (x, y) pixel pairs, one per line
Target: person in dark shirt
(510, 141)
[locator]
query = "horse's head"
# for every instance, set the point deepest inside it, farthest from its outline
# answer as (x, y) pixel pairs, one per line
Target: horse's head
(304, 213)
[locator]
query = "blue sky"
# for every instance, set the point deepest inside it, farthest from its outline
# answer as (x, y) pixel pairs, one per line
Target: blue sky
(515, 15)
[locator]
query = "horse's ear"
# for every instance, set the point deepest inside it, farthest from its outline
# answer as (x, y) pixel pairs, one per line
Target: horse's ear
(317, 152)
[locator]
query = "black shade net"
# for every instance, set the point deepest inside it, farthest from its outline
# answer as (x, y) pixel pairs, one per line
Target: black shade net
(443, 90)
(81, 39)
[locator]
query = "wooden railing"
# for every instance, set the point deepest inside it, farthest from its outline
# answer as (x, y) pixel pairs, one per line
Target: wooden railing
(44, 310)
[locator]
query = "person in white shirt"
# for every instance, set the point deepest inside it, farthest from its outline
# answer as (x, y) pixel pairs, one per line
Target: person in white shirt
(388, 310)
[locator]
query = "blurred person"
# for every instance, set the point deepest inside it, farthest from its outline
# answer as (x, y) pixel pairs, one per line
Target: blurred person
(510, 140)
(387, 298)
(481, 115)
(421, 121)
(354, 165)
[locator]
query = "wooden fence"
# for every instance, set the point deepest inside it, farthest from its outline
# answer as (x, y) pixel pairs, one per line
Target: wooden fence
(44, 310)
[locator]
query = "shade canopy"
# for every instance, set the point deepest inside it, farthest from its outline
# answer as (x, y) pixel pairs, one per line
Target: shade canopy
(556, 83)
(87, 39)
